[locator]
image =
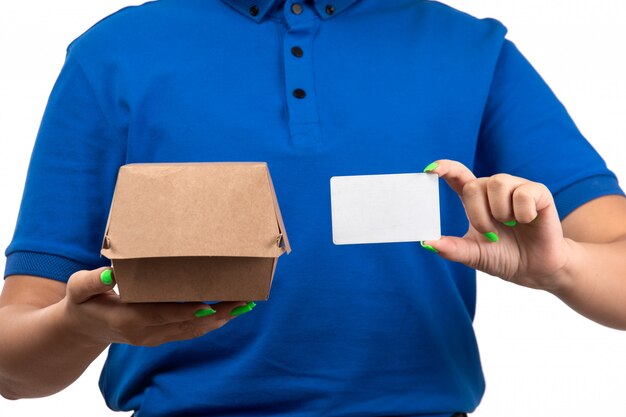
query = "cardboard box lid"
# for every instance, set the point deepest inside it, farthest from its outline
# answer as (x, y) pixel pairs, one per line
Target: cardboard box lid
(194, 209)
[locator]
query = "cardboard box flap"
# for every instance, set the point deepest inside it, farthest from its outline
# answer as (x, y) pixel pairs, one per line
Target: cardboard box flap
(283, 239)
(194, 209)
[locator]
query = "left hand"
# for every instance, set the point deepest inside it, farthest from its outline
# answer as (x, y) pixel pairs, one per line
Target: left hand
(532, 252)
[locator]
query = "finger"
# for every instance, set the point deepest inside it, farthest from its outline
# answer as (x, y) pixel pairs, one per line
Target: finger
(529, 199)
(454, 173)
(500, 189)
(184, 329)
(173, 332)
(83, 285)
(472, 192)
(157, 314)
(456, 249)
(477, 207)
(224, 314)
(230, 310)
(196, 329)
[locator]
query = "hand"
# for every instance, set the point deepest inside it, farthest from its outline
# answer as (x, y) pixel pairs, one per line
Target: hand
(514, 232)
(96, 315)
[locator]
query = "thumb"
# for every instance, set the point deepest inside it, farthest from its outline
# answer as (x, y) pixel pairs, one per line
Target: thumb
(455, 249)
(83, 285)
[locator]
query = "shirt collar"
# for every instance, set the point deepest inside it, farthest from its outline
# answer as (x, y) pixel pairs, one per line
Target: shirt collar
(257, 9)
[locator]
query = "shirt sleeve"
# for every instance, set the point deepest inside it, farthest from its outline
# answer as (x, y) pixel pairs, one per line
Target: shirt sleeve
(69, 185)
(527, 132)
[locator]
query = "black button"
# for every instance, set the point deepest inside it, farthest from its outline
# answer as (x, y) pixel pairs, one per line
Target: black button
(254, 10)
(296, 8)
(299, 93)
(297, 51)
(330, 9)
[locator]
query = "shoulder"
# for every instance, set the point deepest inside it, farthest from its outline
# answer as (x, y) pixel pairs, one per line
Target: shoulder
(137, 28)
(459, 37)
(444, 29)
(117, 26)
(453, 32)
(452, 20)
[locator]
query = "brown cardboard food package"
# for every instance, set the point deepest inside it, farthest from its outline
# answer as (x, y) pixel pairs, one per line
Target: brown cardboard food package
(194, 232)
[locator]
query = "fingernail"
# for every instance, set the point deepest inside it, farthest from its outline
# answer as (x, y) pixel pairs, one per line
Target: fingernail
(512, 223)
(491, 236)
(429, 248)
(238, 311)
(431, 167)
(251, 304)
(106, 277)
(203, 312)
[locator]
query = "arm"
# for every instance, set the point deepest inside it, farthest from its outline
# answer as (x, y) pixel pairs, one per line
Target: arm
(594, 279)
(581, 260)
(36, 346)
(52, 331)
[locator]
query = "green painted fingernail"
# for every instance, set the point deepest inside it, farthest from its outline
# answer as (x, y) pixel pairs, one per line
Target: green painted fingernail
(203, 312)
(429, 248)
(106, 277)
(251, 304)
(512, 223)
(431, 167)
(238, 311)
(491, 236)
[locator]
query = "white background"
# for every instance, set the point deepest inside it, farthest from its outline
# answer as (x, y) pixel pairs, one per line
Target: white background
(540, 358)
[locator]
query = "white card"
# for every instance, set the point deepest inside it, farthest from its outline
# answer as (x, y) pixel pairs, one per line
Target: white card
(385, 208)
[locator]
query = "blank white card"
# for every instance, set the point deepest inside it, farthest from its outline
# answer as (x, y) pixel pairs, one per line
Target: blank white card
(385, 208)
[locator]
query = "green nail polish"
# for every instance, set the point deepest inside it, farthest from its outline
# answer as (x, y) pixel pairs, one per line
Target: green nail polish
(512, 223)
(106, 277)
(491, 236)
(238, 311)
(203, 312)
(429, 248)
(431, 167)
(251, 304)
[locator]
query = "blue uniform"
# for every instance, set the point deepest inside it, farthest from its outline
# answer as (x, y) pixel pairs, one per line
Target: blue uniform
(315, 89)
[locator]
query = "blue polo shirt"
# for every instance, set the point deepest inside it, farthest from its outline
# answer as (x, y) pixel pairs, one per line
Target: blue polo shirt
(316, 89)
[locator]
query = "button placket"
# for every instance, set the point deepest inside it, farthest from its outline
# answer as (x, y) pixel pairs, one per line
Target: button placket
(299, 77)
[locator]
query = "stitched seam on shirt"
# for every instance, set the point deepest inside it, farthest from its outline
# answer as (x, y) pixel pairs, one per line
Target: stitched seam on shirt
(585, 178)
(483, 128)
(46, 272)
(314, 86)
(106, 118)
(281, 33)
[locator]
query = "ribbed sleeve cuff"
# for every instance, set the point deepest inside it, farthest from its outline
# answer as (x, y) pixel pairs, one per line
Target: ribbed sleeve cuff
(577, 194)
(44, 265)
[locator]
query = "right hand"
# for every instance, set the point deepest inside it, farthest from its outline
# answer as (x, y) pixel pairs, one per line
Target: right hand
(96, 315)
